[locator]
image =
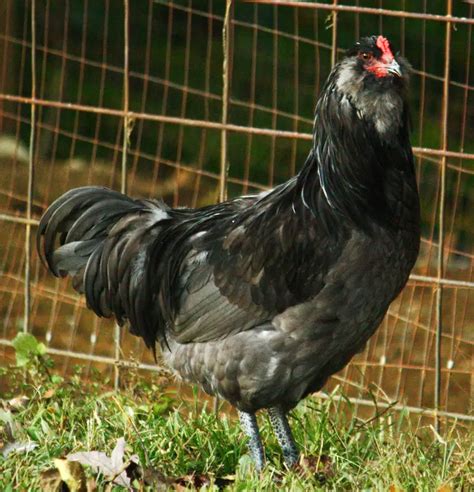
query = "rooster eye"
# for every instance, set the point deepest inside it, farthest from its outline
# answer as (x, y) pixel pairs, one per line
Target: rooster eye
(366, 56)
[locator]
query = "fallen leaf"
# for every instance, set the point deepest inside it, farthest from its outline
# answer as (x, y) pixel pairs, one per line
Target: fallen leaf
(198, 481)
(445, 488)
(48, 394)
(320, 467)
(72, 474)
(18, 446)
(118, 454)
(98, 460)
(113, 467)
(51, 481)
(222, 482)
(10, 427)
(16, 404)
(91, 485)
(193, 480)
(153, 478)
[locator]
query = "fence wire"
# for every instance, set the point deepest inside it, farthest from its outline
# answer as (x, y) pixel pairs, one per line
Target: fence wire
(145, 98)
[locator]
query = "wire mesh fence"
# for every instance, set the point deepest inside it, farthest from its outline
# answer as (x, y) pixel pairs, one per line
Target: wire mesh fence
(145, 97)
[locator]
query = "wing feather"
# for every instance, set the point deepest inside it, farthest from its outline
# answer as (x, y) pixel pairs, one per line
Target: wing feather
(245, 270)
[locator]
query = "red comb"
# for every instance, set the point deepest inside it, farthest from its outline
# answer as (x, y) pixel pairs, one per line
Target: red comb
(384, 46)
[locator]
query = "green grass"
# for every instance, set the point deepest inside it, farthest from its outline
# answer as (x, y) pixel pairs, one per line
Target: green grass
(178, 438)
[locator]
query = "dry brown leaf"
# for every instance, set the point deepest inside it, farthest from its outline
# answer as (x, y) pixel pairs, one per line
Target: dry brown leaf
(49, 394)
(198, 481)
(72, 474)
(91, 485)
(320, 467)
(51, 481)
(394, 488)
(195, 481)
(154, 478)
(18, 403)
(445, 488)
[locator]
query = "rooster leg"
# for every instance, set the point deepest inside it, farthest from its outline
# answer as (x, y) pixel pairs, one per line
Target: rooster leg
(283, 433)
(248, 421)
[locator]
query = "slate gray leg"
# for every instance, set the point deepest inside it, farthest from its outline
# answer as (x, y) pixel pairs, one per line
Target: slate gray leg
(282, 431)
(248, 421)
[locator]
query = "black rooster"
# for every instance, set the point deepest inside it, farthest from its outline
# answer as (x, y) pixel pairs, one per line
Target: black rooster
(260, 299)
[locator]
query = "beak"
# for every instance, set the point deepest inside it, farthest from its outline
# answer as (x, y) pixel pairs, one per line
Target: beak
(394, 68)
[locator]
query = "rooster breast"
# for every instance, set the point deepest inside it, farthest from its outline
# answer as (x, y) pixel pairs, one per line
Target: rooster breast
(279, 360)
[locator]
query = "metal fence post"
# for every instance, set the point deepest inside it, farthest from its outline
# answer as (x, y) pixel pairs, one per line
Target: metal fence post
(27, 307)
(442, 204)
(334, 35)
(225, 102)
(224, 167)
(123, 174)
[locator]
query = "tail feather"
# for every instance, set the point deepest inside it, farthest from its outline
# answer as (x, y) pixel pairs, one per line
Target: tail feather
(62, 214)
(93, 284)
(98, 217)
(101, 238)
(71, 257)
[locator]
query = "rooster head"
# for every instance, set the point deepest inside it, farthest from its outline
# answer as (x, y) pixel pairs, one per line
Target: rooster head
(375, 58)
(372, 79)
(371, 63)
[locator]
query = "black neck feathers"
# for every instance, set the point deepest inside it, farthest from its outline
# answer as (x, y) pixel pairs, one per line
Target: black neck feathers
(355, 171)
